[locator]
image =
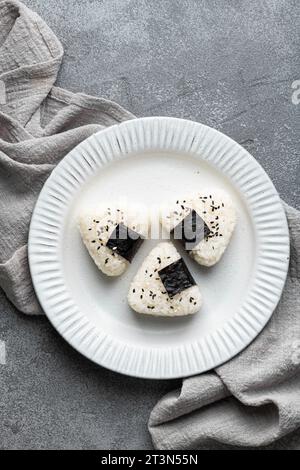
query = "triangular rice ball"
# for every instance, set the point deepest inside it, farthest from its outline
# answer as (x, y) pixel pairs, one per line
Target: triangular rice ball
(163, 285)
(214, 212)
(112, 237)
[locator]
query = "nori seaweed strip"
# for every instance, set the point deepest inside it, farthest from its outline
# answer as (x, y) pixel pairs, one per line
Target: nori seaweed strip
(191, 230)
(176, 277)
(124, 241)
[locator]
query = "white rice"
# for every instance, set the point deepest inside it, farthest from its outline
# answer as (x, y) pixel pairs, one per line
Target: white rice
(96, 228)
(214, 207)
(147, 293)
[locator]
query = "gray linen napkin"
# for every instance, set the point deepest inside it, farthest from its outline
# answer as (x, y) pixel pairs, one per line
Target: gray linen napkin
(39, 125)
(252, 400)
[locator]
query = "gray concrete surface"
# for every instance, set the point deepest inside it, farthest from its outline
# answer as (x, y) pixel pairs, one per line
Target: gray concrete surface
(226, 64)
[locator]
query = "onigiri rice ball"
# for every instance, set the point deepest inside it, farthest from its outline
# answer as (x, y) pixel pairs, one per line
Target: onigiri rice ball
(216, 219)
(163, 286)
(112, 236)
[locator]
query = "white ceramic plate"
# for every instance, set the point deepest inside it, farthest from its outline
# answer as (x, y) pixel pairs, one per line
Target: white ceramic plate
(152, 160)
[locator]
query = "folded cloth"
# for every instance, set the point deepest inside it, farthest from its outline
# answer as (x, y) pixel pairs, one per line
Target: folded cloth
(39, 125)
(252, 400)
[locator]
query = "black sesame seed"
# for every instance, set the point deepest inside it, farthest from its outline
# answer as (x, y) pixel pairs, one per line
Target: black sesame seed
(93, 241)
(141, 296)
(106, 261)
(133, 290)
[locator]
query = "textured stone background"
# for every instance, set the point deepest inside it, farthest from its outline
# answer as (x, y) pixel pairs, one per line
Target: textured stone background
(226, 64)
